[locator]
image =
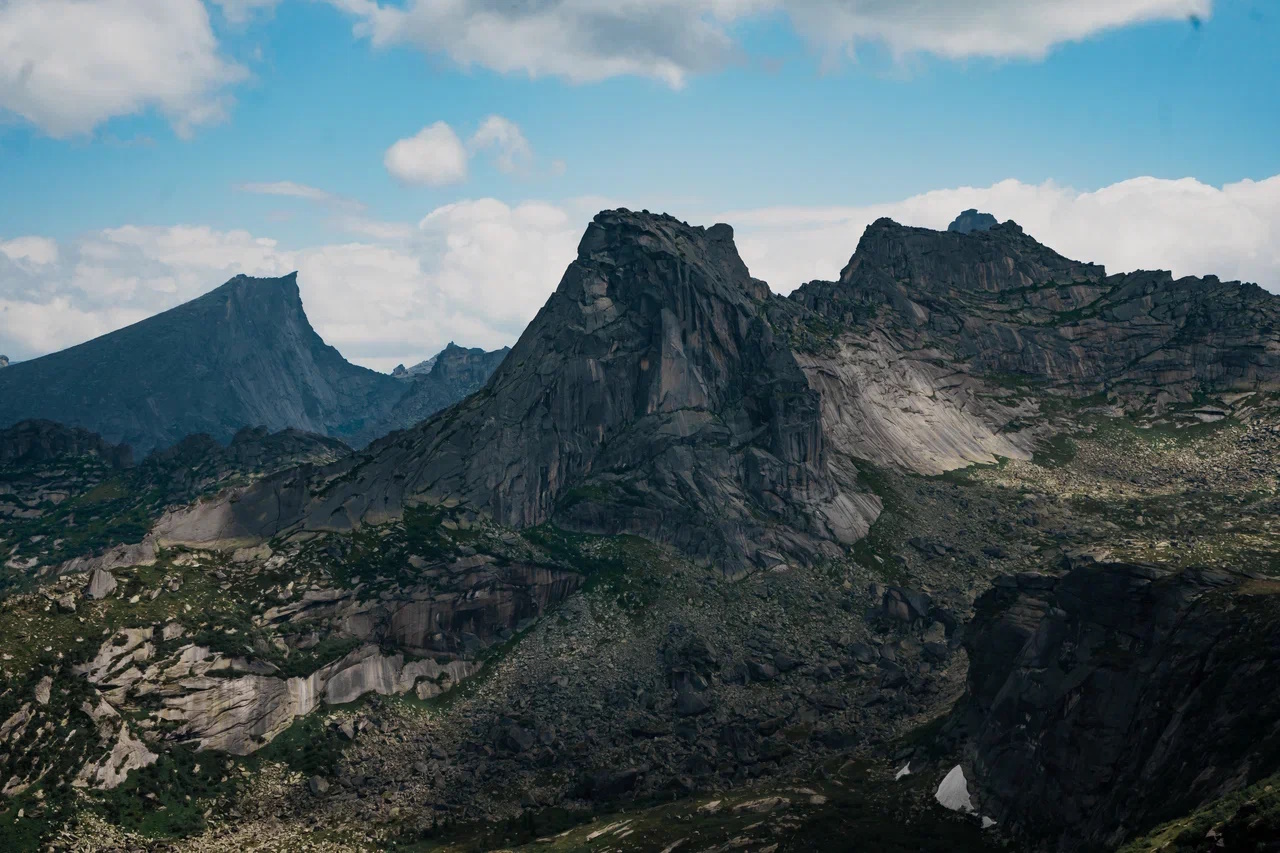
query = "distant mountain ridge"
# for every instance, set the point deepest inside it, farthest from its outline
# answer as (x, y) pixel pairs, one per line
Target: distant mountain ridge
(242, 355)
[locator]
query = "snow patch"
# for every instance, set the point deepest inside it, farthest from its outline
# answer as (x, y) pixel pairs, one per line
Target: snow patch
(905, 771)
(987, 822)
(953, 793)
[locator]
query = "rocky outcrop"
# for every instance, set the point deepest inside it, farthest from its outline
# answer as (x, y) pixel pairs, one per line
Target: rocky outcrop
(242, 355)
(127, 754)
(1108, 700)
(971, 220)
(4, 361)
(101, 585)
(120, 557)
(213, 700)
(651, 395)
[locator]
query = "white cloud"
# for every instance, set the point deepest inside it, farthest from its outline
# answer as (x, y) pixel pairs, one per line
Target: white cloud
(581, 40)
(668, 40)
(503, 136)
(1183, 225)
(992, 28)
(68, 65)
(37, 251)
(477, 271)
(433, 157)
(289, 189)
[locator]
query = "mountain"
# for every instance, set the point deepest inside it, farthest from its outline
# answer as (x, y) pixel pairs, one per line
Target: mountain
(242, 355)
(972, 547)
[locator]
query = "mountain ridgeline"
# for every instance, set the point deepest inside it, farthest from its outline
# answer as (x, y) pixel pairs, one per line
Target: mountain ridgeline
(243, 355)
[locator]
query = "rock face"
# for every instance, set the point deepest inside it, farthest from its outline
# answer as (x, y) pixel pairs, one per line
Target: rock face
(1118, 696)
(241, 714)
(242, 355)
(651, 395)
(101, 584)
(971, 220)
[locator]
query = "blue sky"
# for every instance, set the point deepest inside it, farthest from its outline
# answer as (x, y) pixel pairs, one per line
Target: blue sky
(780, 112)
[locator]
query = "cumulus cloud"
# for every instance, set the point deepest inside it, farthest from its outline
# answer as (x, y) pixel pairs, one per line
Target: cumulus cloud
(436, 156)
(668, 40)
(1183, 225)
(503, 137)
(580, 40)
(68, 65)
(433, 157)
(477, 271)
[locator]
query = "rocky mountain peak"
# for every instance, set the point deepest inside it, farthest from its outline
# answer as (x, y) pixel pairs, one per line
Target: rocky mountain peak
(999, 257)
(620, 237)
(971, 220)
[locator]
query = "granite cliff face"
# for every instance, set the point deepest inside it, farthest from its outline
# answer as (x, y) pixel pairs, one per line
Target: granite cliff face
(1118, 696)
(243, 355)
